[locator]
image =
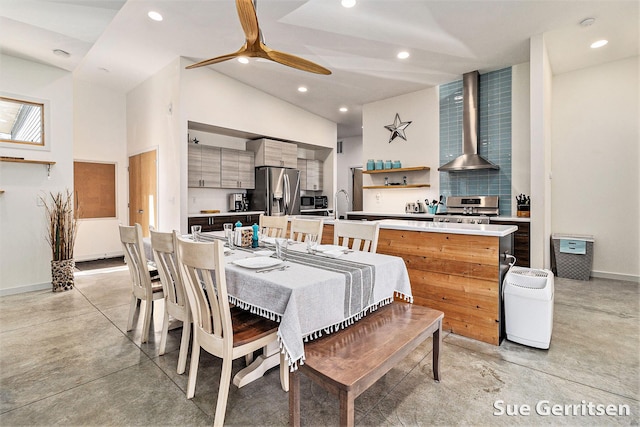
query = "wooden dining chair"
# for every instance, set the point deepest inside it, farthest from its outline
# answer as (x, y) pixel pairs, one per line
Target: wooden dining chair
(175, 298)
(143, 289)
(224, 331)
(300, 228)
(273, 226)
(356, 235)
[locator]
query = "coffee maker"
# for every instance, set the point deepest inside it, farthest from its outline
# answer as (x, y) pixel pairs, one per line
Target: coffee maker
(238, 202)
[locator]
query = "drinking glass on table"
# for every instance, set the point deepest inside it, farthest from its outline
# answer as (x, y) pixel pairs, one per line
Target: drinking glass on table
(228, 233)
(281, 248)
(312, 243)
(195, 232)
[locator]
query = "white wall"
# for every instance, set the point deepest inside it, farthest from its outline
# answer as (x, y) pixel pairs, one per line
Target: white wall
(420, 149)
(595, 162)
(212, 98)
(100, 136)
(153, 111)
(158, 111)
(541, 95)
(350, 157)
(520, 133)
(24, 254)
(208, 198)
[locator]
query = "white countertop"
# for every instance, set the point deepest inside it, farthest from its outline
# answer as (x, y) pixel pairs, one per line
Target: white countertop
(225, 213)
(426, 215)
(492, 230)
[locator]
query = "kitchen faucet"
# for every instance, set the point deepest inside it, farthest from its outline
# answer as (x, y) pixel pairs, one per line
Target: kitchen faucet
(335, 202)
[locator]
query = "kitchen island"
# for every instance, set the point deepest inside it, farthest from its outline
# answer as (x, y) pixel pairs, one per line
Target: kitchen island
(521, 243)
(454, 268)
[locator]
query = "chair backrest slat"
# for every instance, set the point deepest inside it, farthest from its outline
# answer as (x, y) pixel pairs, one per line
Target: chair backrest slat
(300, 228)
(273, 226)
(202, 268)
(131, 238)
(357, 235)
(164, 255)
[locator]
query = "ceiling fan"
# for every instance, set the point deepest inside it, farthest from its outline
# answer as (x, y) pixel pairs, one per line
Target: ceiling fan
(255, 48)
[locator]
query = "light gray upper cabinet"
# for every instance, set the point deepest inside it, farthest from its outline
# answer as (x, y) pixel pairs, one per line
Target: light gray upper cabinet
(274, 153)
(237, 169)
(203, 166)
(311, 174)
(302, 167)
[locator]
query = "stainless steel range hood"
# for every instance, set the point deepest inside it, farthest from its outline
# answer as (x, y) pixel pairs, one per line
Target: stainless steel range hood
(469, 160)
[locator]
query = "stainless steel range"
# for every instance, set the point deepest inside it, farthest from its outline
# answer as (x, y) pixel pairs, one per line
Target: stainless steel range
(469, 209)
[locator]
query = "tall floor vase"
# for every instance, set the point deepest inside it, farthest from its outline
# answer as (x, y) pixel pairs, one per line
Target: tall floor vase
(62, 275)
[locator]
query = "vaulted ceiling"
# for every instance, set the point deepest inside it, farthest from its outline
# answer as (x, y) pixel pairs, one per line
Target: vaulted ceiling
(114, 43)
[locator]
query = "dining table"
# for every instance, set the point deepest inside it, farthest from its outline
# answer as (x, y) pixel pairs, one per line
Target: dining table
(308, 294)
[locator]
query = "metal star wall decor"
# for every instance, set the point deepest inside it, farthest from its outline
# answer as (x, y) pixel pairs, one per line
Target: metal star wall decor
(397, 128)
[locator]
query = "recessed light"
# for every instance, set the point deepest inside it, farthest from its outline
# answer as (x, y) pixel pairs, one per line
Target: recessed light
(598, 44)
(302, 89)
(348, 3)
(61, 52)
(343, 109)
(243, 60)
(155, 16)
(403, 55)
(587, 22)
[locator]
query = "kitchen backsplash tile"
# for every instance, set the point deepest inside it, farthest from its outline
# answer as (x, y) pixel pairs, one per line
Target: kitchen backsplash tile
(494, 138)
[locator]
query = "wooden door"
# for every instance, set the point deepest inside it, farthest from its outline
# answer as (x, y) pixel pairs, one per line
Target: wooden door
(143, 190)
(357, 189)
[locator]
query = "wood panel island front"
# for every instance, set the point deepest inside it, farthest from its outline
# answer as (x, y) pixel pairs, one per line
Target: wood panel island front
(454, 268)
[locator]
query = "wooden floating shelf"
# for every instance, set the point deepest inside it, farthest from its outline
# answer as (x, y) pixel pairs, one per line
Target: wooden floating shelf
(415, 168)
(37, 162)
(397, 186)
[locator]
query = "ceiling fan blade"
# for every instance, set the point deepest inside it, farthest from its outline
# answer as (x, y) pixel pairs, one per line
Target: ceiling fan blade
(217, 59)
(254, 47)
(248, 20)
(295, 62)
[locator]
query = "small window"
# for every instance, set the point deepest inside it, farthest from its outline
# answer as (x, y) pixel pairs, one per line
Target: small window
(21, 122)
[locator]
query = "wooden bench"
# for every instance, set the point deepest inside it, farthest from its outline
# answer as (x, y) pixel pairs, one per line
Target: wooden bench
(348, 362)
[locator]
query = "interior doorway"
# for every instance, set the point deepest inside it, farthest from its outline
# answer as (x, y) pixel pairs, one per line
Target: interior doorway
(143, 190)
(356, 188)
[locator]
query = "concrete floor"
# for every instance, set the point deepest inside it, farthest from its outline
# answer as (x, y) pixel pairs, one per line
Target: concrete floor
(67, 359)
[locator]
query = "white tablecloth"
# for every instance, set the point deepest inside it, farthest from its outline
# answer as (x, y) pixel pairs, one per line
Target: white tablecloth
(309, 301)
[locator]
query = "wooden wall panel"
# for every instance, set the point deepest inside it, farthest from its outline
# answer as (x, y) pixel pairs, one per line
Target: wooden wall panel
(327, 234)
(456, 247)
(456, 268)
(457, 274)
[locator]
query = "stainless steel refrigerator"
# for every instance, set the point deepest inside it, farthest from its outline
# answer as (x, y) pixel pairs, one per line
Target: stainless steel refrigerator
(277, 191)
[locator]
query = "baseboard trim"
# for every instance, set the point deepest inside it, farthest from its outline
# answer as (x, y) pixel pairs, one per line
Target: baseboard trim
(98, 256)
(24, 289)
(615, 276)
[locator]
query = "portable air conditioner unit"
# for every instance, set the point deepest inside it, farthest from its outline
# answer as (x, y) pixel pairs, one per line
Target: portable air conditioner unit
(528, 306)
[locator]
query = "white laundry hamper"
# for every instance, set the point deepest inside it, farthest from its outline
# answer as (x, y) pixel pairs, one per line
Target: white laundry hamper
(528, 306)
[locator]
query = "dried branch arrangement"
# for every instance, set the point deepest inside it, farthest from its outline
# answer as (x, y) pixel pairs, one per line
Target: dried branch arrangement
(62, 225)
